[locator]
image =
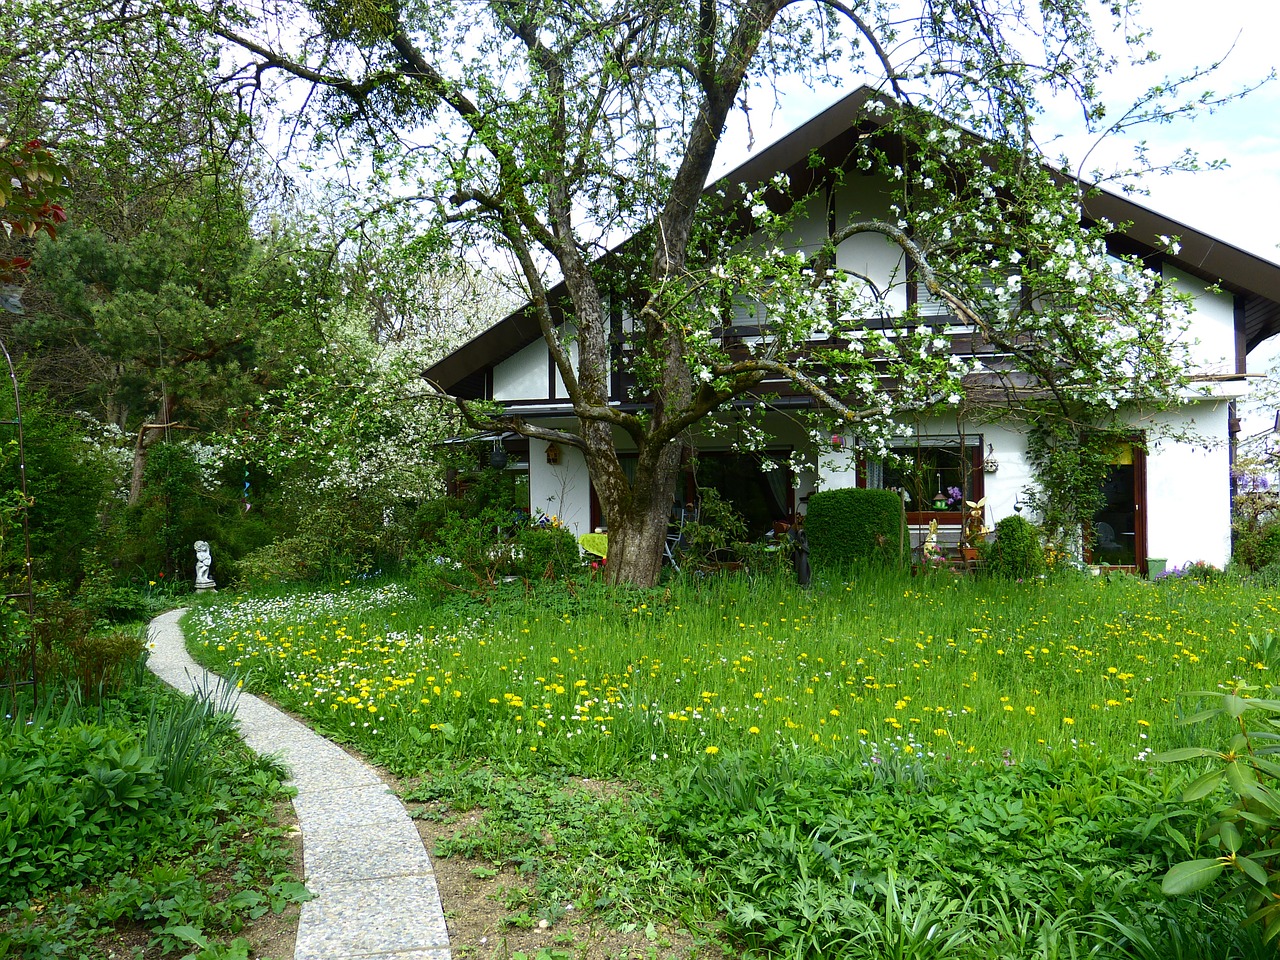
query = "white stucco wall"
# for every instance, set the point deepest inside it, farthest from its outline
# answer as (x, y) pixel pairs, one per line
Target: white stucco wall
(1189, 486)
(1006, 488)
(563, 490)
(1212, 335)
(809, 231)
(522, 376)
(870, 254)
(838, 468)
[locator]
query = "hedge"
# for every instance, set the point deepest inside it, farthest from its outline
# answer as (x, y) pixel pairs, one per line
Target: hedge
(853, 525)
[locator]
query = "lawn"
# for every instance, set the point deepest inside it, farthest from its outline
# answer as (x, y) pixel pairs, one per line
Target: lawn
(606, 684)
(870, 768)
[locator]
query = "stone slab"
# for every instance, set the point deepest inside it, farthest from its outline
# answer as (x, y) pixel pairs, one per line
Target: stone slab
(373, 916)
(376, 896)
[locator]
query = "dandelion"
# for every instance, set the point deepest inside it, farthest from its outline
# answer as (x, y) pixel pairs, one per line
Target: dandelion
(711, 751)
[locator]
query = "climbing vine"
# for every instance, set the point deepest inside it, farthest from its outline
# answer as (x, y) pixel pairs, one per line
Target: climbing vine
(1070, 463)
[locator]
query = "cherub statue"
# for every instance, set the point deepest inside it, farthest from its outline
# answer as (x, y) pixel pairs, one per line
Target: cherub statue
(204, 561)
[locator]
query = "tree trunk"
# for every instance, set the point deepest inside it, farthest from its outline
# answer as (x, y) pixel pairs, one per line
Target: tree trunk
(638, 513)
(636, 546)
(147, 433)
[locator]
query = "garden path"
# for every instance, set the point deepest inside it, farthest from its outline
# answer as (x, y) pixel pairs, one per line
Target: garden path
(375, 890)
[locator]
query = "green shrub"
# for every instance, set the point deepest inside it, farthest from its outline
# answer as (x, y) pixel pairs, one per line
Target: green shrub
(80, 802)
(140, 813)
(1257, 548)
(101, 660)
(853, 525)
(1255, 523)
(1268, 577)
(65, 482)
(717, 535)
(545, 553)
(429, 519)
(1016, 553)
(291, 560)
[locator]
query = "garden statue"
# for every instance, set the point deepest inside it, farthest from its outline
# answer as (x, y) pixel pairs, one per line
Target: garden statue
(204, 560)
(929, 550)
(975, 527)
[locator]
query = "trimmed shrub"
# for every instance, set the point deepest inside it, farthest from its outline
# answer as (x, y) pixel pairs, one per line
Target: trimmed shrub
(546, 553)
(1267, 577)
(1016, 553)
(855, 525)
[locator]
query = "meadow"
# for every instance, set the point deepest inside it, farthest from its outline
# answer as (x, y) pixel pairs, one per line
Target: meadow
(875, 767)
(610, 683)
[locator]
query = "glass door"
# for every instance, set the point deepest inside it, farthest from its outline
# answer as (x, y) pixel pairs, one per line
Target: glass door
(1119, 528)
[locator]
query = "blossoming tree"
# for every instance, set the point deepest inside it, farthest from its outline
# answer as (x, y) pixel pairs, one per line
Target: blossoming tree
(547, 132)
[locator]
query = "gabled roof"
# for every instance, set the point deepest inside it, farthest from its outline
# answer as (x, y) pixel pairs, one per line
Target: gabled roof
(1253, 280)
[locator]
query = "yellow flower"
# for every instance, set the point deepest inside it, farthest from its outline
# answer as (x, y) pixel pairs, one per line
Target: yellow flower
(1068, 721)
(713, 750)
(753, 730)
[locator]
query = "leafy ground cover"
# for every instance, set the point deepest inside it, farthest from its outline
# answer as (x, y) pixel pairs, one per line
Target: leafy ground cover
(881, 767)
(139, 825)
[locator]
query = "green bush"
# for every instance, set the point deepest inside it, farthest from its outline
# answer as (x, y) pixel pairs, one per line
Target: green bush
(1258, 548)
(1255, 523)
(1268, 577)
(545, 553)
(717, 535)
(101, 660)
(1016, 553)
(290, 560)
(140, 813)
(80, 803)
(65, 481)
(855, 525)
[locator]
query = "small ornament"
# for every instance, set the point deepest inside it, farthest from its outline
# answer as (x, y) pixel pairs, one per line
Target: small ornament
(990, 464)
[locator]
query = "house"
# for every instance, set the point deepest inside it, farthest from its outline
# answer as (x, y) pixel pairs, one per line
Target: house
(1168, 493)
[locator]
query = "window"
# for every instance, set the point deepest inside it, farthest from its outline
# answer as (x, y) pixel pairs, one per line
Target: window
(935, 475)
(758, 486)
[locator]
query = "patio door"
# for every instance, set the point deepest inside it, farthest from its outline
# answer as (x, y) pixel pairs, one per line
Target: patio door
(1119, 534)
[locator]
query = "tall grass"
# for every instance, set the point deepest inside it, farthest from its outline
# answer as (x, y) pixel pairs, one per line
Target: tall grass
(880, 665)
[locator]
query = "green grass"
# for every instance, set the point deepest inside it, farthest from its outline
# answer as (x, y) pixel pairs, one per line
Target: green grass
(608, 683)
(884, 767)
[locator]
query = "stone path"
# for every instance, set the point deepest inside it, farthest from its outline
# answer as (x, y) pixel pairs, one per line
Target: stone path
(375, 892)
